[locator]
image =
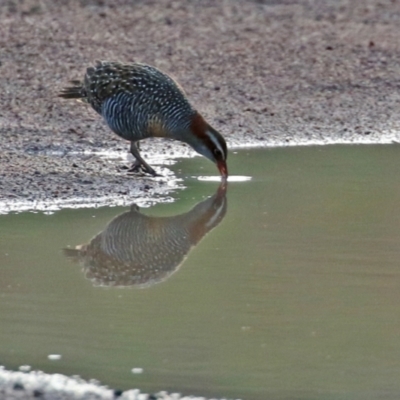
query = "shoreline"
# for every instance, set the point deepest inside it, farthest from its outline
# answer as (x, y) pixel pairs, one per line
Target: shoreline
(146, 191)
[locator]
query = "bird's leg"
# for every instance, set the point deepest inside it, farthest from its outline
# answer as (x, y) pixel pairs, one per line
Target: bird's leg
(139, 162)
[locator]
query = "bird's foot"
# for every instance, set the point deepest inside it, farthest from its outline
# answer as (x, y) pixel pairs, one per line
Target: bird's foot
(138, 167)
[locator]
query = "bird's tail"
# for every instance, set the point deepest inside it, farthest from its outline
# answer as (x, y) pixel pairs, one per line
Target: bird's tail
(77, 91)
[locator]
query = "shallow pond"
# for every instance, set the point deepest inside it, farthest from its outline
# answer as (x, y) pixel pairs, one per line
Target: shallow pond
(286, 287)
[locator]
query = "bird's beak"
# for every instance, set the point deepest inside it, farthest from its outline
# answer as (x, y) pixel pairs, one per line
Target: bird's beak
(223, 169)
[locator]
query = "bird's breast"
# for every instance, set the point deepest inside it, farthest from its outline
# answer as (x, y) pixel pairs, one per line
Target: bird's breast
(156, 128)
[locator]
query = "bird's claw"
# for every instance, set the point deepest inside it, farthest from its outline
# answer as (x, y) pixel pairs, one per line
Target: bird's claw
(143, 169)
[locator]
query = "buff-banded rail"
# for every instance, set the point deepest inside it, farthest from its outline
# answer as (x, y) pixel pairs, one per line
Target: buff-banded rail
(139, 101)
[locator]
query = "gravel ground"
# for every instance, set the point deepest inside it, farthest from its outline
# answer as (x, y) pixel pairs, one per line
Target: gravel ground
(266, 73)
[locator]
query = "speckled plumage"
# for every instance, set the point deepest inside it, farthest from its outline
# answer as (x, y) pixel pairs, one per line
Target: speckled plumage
(139, 101)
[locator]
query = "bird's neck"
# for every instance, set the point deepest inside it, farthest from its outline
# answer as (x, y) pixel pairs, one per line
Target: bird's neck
(202, 133)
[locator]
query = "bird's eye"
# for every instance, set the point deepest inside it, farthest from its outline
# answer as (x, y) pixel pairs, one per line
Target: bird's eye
(217, 153)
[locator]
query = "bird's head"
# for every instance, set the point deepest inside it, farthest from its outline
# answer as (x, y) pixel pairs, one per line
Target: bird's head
(209, 143)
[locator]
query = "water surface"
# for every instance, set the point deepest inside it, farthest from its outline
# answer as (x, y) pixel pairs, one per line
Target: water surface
(287, 287)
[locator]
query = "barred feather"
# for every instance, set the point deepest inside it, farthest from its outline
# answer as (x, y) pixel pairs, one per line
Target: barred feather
(73, 92)
(139, 101)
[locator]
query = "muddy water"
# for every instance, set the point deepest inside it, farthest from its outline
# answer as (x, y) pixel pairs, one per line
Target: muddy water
(286, 287)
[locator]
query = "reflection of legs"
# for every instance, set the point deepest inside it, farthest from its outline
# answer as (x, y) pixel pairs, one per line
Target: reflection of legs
(139, 162)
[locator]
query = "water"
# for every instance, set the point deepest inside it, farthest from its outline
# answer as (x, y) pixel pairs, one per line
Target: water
(291, 292)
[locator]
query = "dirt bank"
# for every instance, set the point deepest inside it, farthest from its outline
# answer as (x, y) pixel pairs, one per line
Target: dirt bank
(262, 72)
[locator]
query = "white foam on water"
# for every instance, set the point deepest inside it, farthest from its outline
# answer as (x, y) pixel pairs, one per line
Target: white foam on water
(54, 357)
(137, 370)
(232, 178)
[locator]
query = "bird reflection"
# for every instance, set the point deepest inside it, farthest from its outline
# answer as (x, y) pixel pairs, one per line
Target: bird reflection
(140, 250)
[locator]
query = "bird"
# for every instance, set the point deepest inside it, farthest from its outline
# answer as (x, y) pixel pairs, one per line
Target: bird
(140, 250)
(138, 101)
